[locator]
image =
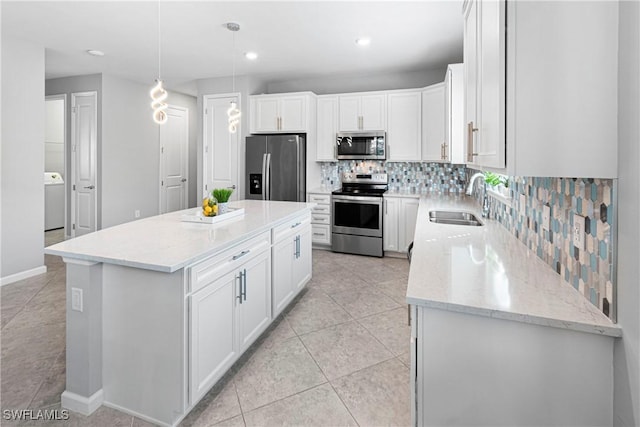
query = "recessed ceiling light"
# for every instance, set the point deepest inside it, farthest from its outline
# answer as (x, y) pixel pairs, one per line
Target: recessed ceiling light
(251, 55)
(95, 52)
(363, 41)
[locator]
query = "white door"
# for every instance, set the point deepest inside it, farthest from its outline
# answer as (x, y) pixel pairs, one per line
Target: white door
(84, 119)
(174, 160)
(302, 260)
(373, 112)
(408, 218)
(293, 114)
(254, 312)
(349, 113)
(220, 146)
(404, 133)
(390, 226)
(283, 254)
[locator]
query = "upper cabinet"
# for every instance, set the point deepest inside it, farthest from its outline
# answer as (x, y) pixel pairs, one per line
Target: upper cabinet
(543, 103)
(362, 112)
(484, 63)
(327, 122)
(433, 124)
(453, 149)
(404, 130)
(280, 113)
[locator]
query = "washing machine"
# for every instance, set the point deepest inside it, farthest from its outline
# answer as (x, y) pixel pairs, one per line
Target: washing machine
(53, 201)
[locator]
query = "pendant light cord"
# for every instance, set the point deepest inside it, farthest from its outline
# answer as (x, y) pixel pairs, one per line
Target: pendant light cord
(233, 64)
(159, 50)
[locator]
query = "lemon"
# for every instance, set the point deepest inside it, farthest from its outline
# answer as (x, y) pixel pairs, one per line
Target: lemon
(215, 210)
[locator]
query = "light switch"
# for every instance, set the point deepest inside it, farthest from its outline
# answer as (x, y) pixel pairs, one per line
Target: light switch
(546, 217)
(76, 299)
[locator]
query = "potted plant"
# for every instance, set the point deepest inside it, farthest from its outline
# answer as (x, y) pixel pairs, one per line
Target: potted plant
(499, 183)
(222, 196)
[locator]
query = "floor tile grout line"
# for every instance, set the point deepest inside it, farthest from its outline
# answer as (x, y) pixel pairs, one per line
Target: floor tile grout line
(344, 404)
(287, 397)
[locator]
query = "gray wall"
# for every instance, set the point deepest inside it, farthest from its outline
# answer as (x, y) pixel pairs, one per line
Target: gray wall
(360, 83)
(67, 86)
(626, 397)
(130, 154)
(23, 123)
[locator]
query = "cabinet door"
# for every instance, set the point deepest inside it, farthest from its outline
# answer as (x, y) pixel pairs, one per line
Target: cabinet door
(405, 126)
(407, 224)
(293, 113)
(254, 312)
(490, 143)
(327, 125)
(454, 114)
(373, 110)
(283, 255)
(433, 123)
(266, 115)
(212, 343)
(390, 224)
(470, 55)
(302, 262)
(349, 113)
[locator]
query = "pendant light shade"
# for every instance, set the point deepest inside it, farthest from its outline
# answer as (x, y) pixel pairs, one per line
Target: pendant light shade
(233, 113)
(234, 117)
(158, 93)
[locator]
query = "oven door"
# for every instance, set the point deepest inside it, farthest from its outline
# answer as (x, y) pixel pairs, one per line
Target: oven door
(357, 215)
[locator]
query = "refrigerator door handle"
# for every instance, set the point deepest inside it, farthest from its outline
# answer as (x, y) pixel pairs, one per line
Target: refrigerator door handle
(264, 176)
(268, 176)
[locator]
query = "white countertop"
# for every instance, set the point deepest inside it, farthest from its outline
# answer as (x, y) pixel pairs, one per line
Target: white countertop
(487, 271)
(165, 243)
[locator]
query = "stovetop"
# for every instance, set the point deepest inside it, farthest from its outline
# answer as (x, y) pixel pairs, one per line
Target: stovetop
(365, 185)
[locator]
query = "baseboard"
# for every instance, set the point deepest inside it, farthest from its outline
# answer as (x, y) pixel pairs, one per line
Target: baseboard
(80, 404)
(23, 275)
(144, 417)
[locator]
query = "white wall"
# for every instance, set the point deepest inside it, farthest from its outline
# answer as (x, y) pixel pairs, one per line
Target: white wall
(626, 398)
(23, 123)
(360, 83)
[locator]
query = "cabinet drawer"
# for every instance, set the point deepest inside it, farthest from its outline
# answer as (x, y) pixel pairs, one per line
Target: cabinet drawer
(320, 198)
(290, 227)
(321, 234)
(320, 218)
(322, 209)
(208, 270)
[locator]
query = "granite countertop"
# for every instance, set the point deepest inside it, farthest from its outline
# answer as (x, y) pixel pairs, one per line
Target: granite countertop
(165, 243)
(487, 271)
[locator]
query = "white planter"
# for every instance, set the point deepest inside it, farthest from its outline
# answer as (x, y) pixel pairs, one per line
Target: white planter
(223, 208)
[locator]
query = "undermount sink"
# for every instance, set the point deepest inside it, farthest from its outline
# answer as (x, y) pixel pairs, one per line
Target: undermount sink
(454, 218)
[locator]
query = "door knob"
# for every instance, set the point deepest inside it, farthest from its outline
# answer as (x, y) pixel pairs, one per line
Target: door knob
(184, 180)
(233, 187)
(91, 187)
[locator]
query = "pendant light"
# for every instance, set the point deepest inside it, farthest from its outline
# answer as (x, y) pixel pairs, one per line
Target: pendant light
(233, 112)
(157, 93)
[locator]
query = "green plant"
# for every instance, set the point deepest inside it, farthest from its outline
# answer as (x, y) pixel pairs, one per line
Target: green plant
(222, 194)
(494, 180)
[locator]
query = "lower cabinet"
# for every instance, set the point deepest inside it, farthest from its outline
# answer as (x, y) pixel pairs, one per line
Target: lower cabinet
(226, 315)
(400, 216)
(291, 265)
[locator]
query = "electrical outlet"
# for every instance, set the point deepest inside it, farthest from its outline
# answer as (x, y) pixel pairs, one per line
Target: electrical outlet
(136, 213)
(523, 203)
(76, 299)
(546, 217)
(578, 231)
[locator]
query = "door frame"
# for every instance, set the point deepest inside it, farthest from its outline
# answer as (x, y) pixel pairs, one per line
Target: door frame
(186, 161)
(74, 95)
(239, 153)
(66, 167)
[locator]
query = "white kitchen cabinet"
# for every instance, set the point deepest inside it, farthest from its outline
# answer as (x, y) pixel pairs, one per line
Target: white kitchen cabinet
(484, 62)
(280, 113)
(454, 114)
(213, 340)
(291, 261)
(390, 224)
(321, 220)
(362, 112)
(400, 216)
(404, 125)
(327, 125)
(433, 123)
(254, 308)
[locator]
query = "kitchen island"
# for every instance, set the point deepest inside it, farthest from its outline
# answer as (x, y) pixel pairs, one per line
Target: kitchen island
(498, 337)
(159, 309)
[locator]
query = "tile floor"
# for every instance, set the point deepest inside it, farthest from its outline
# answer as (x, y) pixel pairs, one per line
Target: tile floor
(338, 356)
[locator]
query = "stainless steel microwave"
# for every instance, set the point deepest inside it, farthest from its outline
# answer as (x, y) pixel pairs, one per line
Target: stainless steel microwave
(361, 145)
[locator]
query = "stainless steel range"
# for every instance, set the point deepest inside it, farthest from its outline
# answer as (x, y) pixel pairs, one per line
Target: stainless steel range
(357, 212)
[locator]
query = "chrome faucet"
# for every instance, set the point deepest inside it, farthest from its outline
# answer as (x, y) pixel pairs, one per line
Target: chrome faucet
(485, 200)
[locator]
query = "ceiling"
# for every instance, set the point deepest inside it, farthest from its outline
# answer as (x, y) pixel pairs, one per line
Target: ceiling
(294, 39)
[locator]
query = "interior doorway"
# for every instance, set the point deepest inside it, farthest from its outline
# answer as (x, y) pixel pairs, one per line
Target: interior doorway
(174, 160)
(55, 172)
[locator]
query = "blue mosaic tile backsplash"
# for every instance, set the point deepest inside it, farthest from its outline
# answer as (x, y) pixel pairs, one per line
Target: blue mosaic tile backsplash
(404, 177)
(592, 270)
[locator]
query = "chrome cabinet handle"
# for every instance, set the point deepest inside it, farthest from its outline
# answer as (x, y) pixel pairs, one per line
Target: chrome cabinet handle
(239, 296)
(296, 224)
(318, 234)
(241, 254)
(470, 131)
(243, 274)
(91, 187)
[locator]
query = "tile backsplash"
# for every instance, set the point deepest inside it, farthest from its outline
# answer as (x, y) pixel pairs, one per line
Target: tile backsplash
(592, 270)
(404, 177)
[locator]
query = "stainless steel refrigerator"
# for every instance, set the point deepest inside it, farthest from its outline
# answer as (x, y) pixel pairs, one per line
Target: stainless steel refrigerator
(275, 167)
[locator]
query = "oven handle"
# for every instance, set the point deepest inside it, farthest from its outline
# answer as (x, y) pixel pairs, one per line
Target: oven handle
(358, 199)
